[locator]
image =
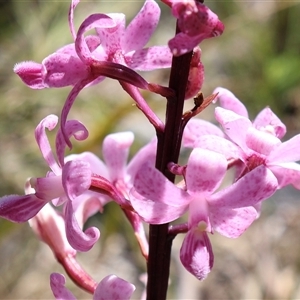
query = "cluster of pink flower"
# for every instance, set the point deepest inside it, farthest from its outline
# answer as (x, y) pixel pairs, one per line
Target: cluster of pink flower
(82, 183)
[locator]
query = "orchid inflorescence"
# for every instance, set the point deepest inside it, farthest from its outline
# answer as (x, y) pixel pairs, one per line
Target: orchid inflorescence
(78, 186)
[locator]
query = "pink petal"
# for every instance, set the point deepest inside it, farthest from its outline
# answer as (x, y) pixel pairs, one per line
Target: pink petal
(198, 213)
(79, 240)
(48, 188)
(73, 5)
(234, 125)
(219, 145)
(96, 164)
(141, 28)
(196, 128)
(205, 171)
(115, 152)
(20, 209)
(76, 178)
(287, 173)
(154, 212)
(153, 185)
(182, 43)
(60, 292)
(228, 101)
(267, 118)
(111, 37)
(146, 153)
(31, 73)
(42, 140)
(91, 22)
(255, 186)
(261, 142)
(88, 205)
(71, 128)
(155, 57)
(67, 107)
(196, 253)
(113, 288)
(286, 152)
(63, 70)
(232, 222)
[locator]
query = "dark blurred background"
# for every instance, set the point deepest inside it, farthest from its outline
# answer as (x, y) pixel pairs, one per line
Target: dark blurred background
(257, 58)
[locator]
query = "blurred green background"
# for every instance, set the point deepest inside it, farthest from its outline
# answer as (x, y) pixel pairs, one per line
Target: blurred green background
(257, 58)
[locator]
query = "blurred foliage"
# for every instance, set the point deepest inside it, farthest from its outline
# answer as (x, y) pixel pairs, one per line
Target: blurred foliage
(257, 58)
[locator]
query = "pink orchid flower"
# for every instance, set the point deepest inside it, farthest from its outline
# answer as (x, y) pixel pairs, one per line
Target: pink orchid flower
(266, 120)
(109, 288)
(65, 183)
(196, 23)
(115, 151)
(248, 145)
(114, 52)
(229, 211)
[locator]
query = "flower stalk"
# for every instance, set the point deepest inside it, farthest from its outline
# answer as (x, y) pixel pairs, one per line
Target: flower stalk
(169, 142)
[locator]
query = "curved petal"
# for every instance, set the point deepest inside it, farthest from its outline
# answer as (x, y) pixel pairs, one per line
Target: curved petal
(232, 222)
(47, 188)
(228, 101)
(148, 59)
(205, 171)
(91, 22)
(113, 288)
(31, 73)
(67, 107)
(141, 28)
(96, 164)
(266, 119)
(115, 151)
(196, 128)
(145, 154)
(73, 5)
(153, 185)
(196, 253)
(220, 145)
(20, 209)
(182, 43)
(255, 186)
(234, 125)
(261, 142)
(154, 212)
(76, 178)
(72, 128)
(42, 140)
(286, 152)
(111, 36)
(87, 205)
(79, 240)
(286, 173)
(57, 284)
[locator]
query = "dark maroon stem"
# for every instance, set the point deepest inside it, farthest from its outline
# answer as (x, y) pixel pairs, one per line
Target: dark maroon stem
(169, 142)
